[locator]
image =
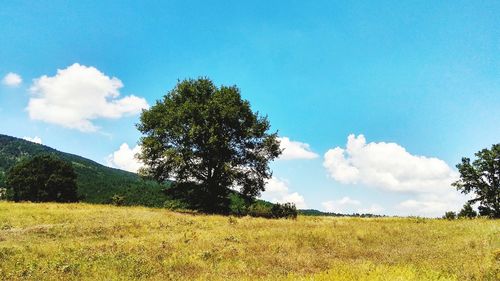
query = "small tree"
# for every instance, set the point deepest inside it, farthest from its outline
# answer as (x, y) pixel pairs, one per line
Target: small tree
(467, 212)
(41, 179)
(482, 177)
(208, 139)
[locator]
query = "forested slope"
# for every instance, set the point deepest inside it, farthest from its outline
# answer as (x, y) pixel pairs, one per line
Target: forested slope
(96, 183)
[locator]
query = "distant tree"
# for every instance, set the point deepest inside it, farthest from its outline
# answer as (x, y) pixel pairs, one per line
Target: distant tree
(467, 212)
(207, 138)
(450, 215)
(482, 177)
(41, 179)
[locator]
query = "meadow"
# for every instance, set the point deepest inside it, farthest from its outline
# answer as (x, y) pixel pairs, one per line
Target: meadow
(99, 242)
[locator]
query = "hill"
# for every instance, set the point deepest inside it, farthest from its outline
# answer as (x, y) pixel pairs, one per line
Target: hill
(96, 183)
(103, 242)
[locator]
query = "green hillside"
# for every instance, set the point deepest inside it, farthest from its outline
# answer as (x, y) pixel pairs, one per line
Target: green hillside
(96, 183)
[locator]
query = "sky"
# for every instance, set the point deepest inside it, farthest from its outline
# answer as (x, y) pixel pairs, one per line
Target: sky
(375, 102)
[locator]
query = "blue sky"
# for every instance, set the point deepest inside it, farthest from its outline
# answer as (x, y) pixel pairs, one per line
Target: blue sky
(415, 78)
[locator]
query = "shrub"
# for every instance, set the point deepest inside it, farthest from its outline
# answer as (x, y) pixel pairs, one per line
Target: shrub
(175, 205)
(237, 205)
(273, 211)
(467, 212)
(286, 210)
(259, 209)
(450, 215)
(118, 200)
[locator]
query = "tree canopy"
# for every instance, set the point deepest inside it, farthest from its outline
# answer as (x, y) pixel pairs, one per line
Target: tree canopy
(482, 177)
(42, 178)
(208, 137)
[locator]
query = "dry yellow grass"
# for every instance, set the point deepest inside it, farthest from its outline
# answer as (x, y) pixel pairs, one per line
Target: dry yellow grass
(96, 242)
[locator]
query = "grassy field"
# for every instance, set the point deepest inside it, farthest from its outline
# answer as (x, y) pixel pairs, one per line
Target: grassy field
(97, 242)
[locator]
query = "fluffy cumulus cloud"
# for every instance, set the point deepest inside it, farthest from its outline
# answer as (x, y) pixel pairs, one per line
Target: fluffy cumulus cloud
(390, 167)
(12, 79)
(77, 95)
(34, 139)
(277, 191)
(125, 158)
(295, 150)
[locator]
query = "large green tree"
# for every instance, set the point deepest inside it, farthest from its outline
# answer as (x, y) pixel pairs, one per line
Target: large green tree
(42, 178)
(482, 177)
(208, 137)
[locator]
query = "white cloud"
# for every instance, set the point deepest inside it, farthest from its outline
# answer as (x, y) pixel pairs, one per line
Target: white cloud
(343, 205)
(277, 191)
(125, 158)
(276, 186)
(77, 95)
(372, 209)
(347, 205)
(12, 79)
(295, 150)
(295, 198)
(432, 205)
(34, 139)
(388, 166)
